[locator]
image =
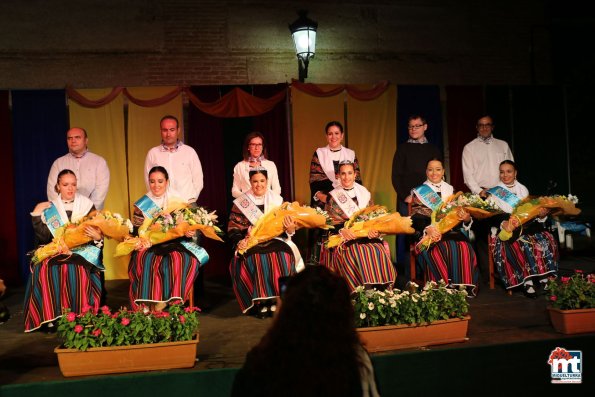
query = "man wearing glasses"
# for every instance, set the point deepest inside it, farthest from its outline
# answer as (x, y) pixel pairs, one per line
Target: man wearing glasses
(482, 157)
(409, 171)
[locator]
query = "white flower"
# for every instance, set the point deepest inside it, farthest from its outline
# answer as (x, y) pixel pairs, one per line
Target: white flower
(413, 284)
(382, 301)
(362, 315)
(130, 226)
(370, 306)
(573, 199)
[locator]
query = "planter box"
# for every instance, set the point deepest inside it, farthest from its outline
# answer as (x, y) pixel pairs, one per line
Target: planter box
(109, 360)
(573, 321)
(394, 337)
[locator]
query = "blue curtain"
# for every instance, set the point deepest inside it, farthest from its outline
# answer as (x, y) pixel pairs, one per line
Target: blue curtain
(425, 101)
(40, 121)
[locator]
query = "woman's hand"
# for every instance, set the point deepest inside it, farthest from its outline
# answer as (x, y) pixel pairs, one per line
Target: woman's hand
(347, 234)
(408, 199)
(289, 225)
(39, 208)
(143, 244)
(190, 233)
(242, 244)
(373, 233)
(511, 224)
(433, 233)
(463, 215)
(93, 232)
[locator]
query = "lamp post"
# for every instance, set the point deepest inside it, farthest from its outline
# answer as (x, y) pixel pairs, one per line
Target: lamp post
(303, 32)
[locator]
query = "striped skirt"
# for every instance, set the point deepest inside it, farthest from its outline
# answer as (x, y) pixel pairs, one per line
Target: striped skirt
(529, 256)
(361, 262)
(161, 278)
(54, 286)
(254, 277)
(452, 261)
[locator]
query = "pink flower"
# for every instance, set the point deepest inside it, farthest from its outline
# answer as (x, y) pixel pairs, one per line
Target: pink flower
(565, 280)
(105, 310)
(71, 316)
(78, 328)
(182, 319)
(553, 298)
(578, 271)
(97, 332)
(86, 308)
(125, 321)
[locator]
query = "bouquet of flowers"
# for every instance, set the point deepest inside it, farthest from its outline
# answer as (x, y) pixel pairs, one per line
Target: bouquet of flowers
(170, 226)
(529, 209)
(436, 301)
(375, 217)
(445, 217)
(72, 235)
(124, 328)
(270, 225)
(574, 292)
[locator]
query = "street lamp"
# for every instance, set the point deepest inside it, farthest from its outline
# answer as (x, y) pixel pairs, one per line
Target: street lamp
(303, 32)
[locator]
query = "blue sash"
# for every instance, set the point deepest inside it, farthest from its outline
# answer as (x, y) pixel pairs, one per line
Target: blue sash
(88, 252)
(53, 219)
(505, 195)
(428, 197)
(148, 207)
(199, 252)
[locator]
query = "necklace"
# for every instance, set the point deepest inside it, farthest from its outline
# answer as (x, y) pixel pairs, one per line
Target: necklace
(335, 150)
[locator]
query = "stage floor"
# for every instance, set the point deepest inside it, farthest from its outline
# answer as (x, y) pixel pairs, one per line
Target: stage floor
(226, 335)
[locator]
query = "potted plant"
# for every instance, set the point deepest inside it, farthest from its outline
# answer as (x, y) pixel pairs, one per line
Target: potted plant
(572, 303)
(127, 341)
(394, 319)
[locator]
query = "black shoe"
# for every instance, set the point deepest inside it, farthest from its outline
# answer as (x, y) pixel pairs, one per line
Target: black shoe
(529, 291)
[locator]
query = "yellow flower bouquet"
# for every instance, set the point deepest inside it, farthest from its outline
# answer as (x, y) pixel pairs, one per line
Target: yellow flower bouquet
(170, 226)
(73, 234)
(375, 217)
(445, 217)
(529, 209)
(270, 225)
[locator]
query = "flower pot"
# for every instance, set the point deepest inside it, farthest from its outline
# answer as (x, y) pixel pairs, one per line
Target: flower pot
(109, 360)
(394, 337)
(573, 321)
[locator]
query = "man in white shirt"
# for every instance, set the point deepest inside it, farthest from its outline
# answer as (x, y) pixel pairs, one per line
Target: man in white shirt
(180, 161)
(92, 173)
(482, 157)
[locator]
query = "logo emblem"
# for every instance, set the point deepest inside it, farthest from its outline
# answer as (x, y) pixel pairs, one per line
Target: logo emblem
(566, 365)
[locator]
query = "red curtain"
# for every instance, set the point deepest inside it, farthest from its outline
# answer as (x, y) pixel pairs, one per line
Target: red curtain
(8, 232)
(352, 90)
(465, 106)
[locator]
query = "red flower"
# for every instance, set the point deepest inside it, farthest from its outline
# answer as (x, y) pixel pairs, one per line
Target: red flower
(97, 332)
(182, 319)
(105, 310)
(86, 308)
(553, 298)
(71, 316)
(78, 328)
(565, 280)
(578, 271)
(125, 321)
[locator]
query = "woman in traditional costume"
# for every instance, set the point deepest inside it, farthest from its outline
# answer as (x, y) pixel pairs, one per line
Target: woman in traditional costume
(70, 279)
(451, 258)
(532, 253)
(324, 171)
(255, 273)
(163, 272)
(364, 261)
(255, 153)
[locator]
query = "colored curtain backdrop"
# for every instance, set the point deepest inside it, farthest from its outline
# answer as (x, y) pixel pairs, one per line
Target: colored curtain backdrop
(372, 129)
(105, 129)
(40, 122)
(309, 116)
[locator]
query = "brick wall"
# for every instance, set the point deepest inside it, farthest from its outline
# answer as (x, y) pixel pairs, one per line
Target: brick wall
(99, 43)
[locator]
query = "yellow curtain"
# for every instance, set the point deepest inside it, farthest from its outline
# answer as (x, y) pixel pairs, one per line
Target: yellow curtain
(105, 129)
(309, 116)
(372, 134)
(144, 133)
